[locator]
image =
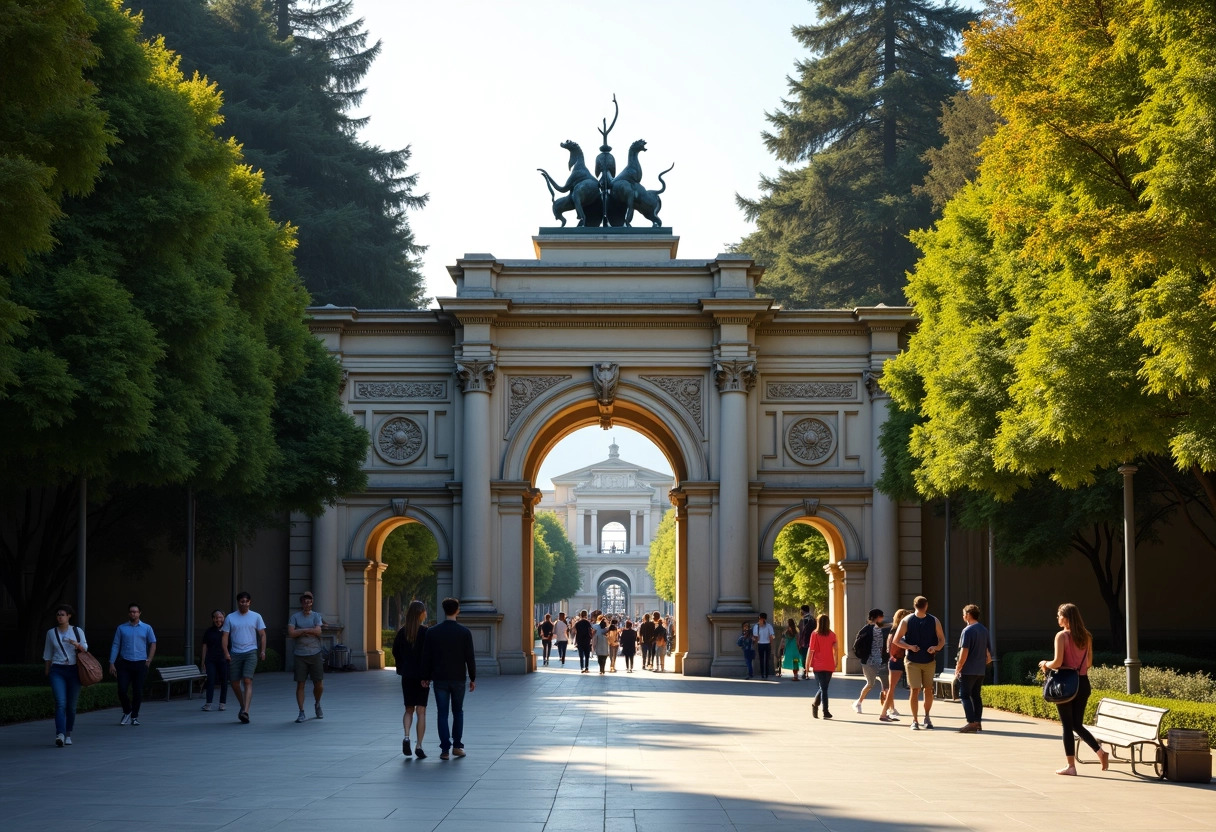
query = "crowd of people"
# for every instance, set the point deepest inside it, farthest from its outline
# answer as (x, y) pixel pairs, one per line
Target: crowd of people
(607, 638)
(441, 659)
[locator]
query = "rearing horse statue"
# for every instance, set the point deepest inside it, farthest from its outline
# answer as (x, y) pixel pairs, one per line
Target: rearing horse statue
(582, 189)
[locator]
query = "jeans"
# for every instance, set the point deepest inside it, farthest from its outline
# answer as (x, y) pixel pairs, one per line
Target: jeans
(973, 704)
(629, 661)
(584, 656)
(824, 678)
(133, 674)
(603, 661)
(450, 695)
(748, 655)
(561, 650)
(765, 653)
(65, 687)
(546, 648)
(217, 674)
(647, 653)
(1072, 718)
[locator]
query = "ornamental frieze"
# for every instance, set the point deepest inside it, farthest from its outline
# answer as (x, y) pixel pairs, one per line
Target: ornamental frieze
(684, 389)
(525, 390)
(400, 390)
(400, 440)
(810, 440)
(811, 390)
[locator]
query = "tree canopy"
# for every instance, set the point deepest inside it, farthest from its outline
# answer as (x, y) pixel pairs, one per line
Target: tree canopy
(567, 579)
(662, 563)
(801, 553)
(861, 113)
(542, 565)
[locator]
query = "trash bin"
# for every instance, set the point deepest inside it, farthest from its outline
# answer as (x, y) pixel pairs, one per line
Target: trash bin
(339, 657)
(1188, 758)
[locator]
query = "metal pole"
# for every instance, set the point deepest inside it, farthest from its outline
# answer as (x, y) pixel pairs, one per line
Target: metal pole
(947, 609)
(1132, 662)
(189, 576)
(996, 662)
(82, 543)
(235, 555)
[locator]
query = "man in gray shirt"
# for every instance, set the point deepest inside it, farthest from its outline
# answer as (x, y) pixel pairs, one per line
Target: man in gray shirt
(305, 628)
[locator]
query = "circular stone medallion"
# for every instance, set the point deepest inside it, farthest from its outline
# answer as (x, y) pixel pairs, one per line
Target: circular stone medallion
(400, 440)
(810, 440)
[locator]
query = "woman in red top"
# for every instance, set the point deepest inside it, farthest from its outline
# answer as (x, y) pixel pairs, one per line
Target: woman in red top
(822, 658)
(895, 669)
(1074, 649)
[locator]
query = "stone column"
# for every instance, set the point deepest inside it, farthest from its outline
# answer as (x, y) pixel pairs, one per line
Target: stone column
(646, 527)
(325, 557)
(853, 573)
(595, 531)
(735, 379)
(884, 530)
(631, 541)
(355, 637)
(477, 569)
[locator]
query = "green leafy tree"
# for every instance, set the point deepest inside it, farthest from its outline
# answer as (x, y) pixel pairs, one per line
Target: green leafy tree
(861, 113)
(801, 553)
(542, 565)
(967, 119)
(409, 553)
(662, 563)
(567, 580)
(291, 71)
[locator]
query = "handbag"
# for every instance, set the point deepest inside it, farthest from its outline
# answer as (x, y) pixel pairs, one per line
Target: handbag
(1061, 685)
(88, 669)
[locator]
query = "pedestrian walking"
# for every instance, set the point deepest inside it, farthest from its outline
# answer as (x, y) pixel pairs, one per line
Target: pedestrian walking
(660, 644)
(748, 646)
(561, 636)
(806, 626)
(629, 645)
(213, 662)
(1074, 649)
(790, 658)
(920, 634)
(582, 641)
(447, 660)
(545, 628)
(895, 669)
(646, 633)
(974, 656)
(59, 649)
(822, 657)
(614, 645)
(601, 642)
(870, 648)
(130, 657)
(762, 636)
(244, 644)
(305, 627)
(407, 653)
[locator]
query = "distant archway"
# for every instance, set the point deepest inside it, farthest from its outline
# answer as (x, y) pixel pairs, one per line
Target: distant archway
(372, 565)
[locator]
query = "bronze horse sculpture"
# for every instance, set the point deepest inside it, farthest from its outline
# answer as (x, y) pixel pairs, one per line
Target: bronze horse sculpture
(628, 195)
(582, 190)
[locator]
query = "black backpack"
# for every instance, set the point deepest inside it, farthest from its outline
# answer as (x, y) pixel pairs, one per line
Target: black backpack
(863, 642)
(805, 628)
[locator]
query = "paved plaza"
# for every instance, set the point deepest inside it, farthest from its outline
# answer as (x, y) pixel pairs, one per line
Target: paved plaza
(557, 750)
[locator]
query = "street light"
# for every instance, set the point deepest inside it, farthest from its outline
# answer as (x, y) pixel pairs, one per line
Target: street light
(1132, 662)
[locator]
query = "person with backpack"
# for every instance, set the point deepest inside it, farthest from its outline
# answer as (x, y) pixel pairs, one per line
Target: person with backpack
(870, 648)
(749, 649)
(805, 627)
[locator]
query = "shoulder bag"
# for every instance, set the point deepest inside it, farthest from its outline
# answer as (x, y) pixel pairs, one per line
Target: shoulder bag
(1061, 685)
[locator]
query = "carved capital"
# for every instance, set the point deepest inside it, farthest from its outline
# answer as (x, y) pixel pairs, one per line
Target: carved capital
(476, 376)
(736, 375)
(345, 380)
(871, 380)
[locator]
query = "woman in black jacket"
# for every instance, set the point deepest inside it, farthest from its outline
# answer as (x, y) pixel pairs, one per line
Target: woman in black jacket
(407, 652)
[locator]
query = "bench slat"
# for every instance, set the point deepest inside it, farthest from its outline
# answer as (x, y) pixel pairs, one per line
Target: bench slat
(1147, 731)
(1131, 711)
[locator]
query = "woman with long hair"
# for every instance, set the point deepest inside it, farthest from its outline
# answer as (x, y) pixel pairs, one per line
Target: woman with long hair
(614, 644)
(629, 645)
(407, 652)
(62, 643)
(895, 669)
(660, 644)
(213, 661)
(791, 657)
(1074, 649)
(601, 642)
(822, 657)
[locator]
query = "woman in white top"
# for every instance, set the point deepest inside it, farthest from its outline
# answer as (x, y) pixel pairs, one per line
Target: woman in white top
(63, 641)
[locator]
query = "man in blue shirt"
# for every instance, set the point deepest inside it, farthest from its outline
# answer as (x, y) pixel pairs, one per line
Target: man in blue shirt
(130, 657)
(975, 652)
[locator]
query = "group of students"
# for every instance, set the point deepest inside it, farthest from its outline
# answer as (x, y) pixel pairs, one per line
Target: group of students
(607, 638)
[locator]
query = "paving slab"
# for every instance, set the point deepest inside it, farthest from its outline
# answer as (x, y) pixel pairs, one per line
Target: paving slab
(558, 751)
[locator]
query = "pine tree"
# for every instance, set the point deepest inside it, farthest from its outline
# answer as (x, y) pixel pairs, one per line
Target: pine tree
(861, 114)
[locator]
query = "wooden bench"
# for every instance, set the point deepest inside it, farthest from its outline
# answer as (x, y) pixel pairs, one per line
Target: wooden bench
(187, 673)
(945, 680)
(1132, 726)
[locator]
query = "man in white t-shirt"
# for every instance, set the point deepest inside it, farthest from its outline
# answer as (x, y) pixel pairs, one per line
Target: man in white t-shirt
(561, 636)
(244, 643)
(762, 636)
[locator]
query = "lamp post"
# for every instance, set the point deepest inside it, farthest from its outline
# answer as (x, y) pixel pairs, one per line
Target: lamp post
(996, 662)
(82, 546)
(1132, 662)
(189, 634)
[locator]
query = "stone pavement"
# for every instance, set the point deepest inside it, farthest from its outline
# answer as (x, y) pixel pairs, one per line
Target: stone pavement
(557, 750)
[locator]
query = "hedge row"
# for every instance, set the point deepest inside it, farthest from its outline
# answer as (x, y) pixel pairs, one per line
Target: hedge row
(1018, 667)
(1028, 700)
(20, 704)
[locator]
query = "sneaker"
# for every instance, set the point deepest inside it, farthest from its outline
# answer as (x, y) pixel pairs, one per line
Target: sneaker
(320, 713)
(459, 752)
(915, 725)
(443, 755)
(405, 745)
(59, 740)
(126, 720)
(815, 708)
(67, 740)
(928, 724)
(301, 717)
(857, 707)
(223, 706)
(134, 721)
(419, 753)
(207, 707)
(895, 712)
(243, 717)
(885, 718)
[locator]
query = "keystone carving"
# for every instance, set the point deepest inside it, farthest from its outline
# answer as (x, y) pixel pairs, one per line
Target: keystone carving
(605, 376)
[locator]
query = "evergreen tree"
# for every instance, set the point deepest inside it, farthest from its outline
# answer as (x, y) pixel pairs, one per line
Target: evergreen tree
(861, 113)
(290, 71)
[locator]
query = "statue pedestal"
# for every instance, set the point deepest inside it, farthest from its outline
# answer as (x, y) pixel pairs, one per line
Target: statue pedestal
(605, 245)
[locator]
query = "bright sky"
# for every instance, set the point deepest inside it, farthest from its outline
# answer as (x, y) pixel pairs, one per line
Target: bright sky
(484, 91)
(590, 445)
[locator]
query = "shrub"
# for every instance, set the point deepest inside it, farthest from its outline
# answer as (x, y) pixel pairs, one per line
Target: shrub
(387, 636)
(26, 702)
(389, 661)
(1028, 700)
(1161, 682)
(1019, 668)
